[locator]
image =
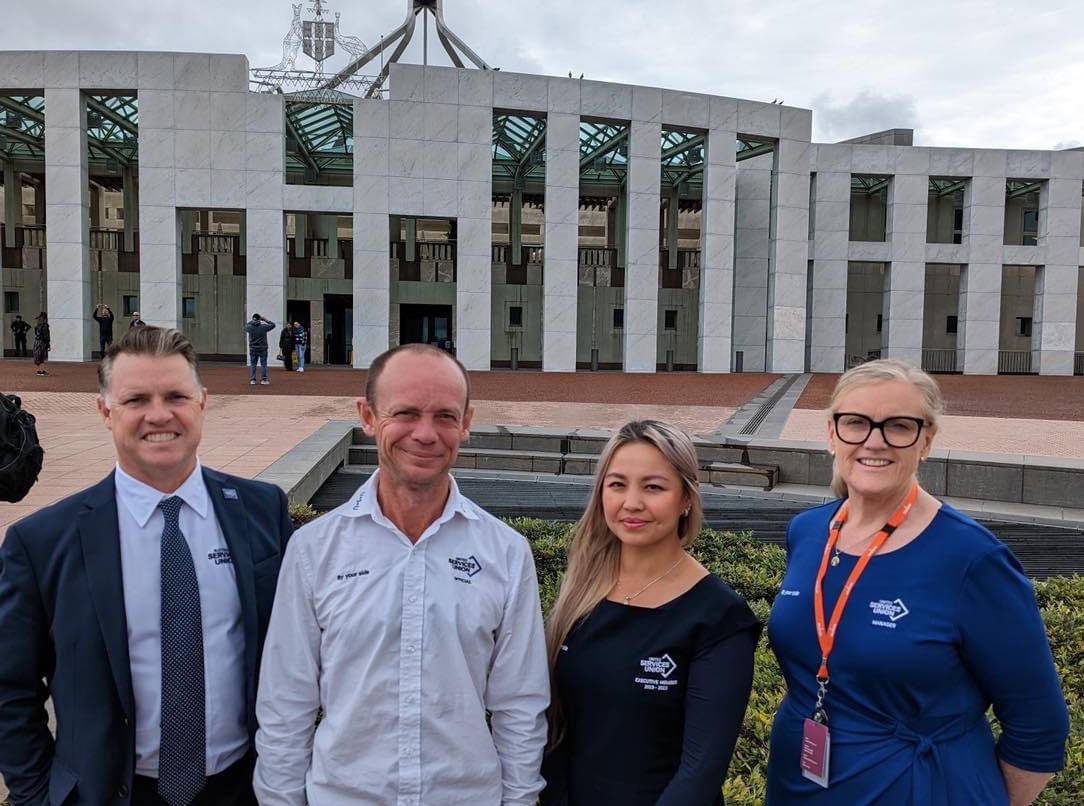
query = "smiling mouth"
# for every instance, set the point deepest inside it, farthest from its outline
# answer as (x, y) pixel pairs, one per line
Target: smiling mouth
(867, 462)
(633, 524)
(161, 436)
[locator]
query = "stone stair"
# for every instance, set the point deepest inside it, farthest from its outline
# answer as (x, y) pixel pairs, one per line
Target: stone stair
(576, 453)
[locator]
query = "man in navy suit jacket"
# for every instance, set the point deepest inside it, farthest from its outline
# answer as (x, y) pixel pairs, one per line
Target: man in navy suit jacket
(140, 606)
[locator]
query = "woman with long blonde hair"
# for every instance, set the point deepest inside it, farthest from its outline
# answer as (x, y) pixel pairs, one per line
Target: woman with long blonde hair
(651, 656)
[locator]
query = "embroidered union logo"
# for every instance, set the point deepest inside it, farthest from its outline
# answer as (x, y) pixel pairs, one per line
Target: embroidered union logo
(220, 557)
(664, 666)
(892, 610)
(465, 565)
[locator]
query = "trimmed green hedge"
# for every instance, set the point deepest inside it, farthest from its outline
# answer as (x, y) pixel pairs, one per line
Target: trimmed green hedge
(755, 570)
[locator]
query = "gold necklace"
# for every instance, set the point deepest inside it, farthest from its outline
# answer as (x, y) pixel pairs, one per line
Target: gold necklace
(666, 573)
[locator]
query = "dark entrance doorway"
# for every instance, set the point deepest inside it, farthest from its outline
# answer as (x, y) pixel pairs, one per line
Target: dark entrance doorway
(338, 328)
(426, 324)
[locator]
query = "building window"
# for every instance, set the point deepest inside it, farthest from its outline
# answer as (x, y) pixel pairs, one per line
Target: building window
(958, 225)
(880, 321)
(188, 307)
(670, 319)
(11, 302)
(515, 316)
(951, 324)
(619, 318)
(1023, 326)
(1031, 228)
(131, 304)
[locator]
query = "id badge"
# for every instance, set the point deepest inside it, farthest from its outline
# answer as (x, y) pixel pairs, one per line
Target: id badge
(816, 748)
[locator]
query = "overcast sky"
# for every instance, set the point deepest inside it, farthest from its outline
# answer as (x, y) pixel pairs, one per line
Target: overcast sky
(977, 73)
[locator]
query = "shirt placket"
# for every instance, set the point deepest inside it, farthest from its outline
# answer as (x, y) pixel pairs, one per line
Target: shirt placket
(410, 677)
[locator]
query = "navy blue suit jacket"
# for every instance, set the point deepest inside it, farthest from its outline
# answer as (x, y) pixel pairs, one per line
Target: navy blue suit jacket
(63, 633)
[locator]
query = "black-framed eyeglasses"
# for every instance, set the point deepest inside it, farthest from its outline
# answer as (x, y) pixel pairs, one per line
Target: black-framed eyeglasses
(899, 432)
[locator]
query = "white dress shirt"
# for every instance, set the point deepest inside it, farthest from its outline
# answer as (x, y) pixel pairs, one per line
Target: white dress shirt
(141, 523)
(405, 647)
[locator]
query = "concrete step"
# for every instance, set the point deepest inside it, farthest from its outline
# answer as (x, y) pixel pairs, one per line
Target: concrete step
(734, 474)
(481, 459)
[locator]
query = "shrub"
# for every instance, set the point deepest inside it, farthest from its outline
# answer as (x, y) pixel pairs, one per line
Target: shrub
(301, 514)
(755, 570)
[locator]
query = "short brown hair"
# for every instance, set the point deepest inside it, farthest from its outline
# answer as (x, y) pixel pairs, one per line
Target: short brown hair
(157, 342)
(381, 361)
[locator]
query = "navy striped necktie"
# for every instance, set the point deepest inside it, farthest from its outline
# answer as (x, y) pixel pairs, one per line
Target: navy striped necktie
(182, 756)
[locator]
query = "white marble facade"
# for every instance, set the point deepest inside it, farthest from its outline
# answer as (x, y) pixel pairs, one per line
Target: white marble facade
(775, 247)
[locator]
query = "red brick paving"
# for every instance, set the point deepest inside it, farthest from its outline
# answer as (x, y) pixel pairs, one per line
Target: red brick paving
(672, 389)
(1034, 397)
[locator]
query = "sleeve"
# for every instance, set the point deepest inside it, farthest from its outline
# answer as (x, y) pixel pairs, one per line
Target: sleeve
(517, 692)
(1004, 645)
(720, 680)
(26, 746)
(288, 697)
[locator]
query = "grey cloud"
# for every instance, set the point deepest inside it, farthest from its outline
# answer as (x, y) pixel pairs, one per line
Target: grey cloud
(865, 113)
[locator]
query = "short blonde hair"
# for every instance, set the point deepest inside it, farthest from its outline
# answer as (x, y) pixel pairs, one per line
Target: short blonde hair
(886, 370)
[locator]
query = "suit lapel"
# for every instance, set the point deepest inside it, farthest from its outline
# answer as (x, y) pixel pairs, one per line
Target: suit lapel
(99, 534)
(233, 520)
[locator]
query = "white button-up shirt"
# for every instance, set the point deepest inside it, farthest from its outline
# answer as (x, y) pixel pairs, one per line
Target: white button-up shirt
(141, 523)
(405, 647)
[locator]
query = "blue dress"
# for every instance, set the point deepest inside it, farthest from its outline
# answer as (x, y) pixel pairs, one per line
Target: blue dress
(934, 633)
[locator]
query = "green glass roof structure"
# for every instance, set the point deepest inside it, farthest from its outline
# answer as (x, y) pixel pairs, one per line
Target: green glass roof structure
(519, 151)
(320, 133)
(112, 129)
(22, 127)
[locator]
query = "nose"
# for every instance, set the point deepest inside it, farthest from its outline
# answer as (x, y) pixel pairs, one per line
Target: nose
(157, 411)
(876, 438)
(425, 430)
(633, 499)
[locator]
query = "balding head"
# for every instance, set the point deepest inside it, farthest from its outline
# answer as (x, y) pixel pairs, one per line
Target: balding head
(381, 363)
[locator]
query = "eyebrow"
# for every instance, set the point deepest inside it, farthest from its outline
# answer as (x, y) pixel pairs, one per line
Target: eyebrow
(653, 477)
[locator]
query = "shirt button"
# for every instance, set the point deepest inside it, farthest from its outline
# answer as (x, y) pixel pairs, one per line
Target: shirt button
(122, 791)
(410, 649)
(412, 599)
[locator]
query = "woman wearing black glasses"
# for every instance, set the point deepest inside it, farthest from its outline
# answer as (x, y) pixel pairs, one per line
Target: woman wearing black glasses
(899, 622)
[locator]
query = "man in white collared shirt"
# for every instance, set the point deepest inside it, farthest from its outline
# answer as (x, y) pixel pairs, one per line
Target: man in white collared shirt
(142, 601)
(407, 614)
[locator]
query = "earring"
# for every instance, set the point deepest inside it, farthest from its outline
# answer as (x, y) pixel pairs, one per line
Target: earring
(685, 514)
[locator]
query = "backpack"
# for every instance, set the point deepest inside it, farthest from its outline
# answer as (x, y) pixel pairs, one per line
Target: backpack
(20, 454)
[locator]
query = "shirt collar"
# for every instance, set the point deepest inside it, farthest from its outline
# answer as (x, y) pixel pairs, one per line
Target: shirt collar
(142, 499)
(365, 503)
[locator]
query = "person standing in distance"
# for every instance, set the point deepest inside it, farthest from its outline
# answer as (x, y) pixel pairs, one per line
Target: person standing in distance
(257, 329)
(409, 614)
(43, 343)
(139, 606)
(301, 342)
(137, 321)
(19, 329)
(286, 346)
(104, 317)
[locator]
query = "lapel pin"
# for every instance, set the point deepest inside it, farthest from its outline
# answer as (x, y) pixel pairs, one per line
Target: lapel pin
(229, 492)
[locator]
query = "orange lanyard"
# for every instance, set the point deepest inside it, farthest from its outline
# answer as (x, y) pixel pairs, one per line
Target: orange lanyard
(827, 637)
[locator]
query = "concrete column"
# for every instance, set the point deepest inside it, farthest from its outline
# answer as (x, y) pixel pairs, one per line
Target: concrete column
(411, 239)
(642, 253)
(68, 288)
(515, 226)
(188, 228)
(789, 257)
(904, 288)
(561, 255)
(316, 331)
(752, 249)
(301, 232)
(371, 288)
(716, 319)
(1056, 283)
(242, 232)
(621, 225)
(12, 199)
(265, 281)
(672, 209)
(95, 207)
(980, 280)
(828, 300)
(39, 204)
(131, 208)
